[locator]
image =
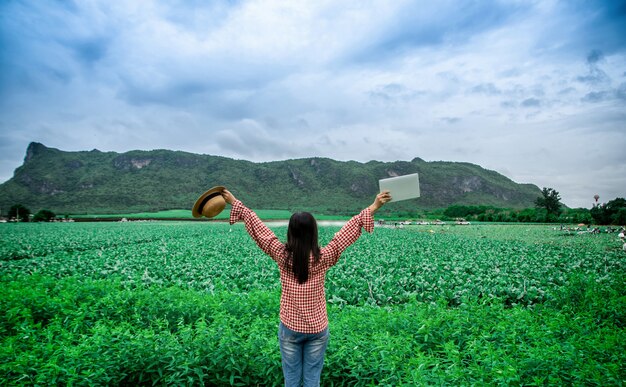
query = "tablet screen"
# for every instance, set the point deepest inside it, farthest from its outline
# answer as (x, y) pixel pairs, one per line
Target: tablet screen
(401, 187)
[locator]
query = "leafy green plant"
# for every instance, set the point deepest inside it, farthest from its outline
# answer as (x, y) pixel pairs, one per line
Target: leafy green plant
(197, 303)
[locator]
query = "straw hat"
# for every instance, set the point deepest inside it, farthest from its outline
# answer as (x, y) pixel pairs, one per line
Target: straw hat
(210, 203)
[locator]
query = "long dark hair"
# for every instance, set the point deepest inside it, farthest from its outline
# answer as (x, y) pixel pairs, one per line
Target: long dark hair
(301, 243)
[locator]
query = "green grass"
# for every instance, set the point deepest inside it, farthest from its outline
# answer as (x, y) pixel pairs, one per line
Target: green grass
(190, 303)
(181, 214)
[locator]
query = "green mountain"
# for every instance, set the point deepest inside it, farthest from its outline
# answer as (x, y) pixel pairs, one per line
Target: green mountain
(140, 181)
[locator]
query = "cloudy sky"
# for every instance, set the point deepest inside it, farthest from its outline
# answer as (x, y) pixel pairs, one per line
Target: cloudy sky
(535, 90)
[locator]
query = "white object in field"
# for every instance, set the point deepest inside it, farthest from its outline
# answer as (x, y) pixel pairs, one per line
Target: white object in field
(401, 187)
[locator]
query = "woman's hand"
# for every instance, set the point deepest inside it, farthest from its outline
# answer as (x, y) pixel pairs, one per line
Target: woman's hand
(380, 200)
(228, 197)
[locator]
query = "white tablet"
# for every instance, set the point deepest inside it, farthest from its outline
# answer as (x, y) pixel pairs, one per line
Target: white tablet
(401, 187)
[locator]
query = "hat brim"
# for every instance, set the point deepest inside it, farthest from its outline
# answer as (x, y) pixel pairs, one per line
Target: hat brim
(197, 207)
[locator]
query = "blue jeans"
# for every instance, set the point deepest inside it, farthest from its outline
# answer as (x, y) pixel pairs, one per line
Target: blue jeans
(302, 355)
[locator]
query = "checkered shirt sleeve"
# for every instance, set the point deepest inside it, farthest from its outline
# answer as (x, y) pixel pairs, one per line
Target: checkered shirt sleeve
(348, 234)
(260, 233)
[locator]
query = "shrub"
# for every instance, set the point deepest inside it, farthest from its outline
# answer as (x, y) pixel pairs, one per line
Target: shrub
(44, 216)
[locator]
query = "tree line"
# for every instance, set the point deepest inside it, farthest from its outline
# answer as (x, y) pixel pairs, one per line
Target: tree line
(548, 209)
(21, 213)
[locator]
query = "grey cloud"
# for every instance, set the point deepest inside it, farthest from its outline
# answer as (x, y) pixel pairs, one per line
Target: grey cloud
(251, 140)
(215, 82)
(538, 91)
(55, 43)
(172, 93)
(12, 151)
(394, 88)
(596, 96)
(450, 120)
(419, 24)
(380, 96)
(230, 141)
(486, 88)
(594, 56)
(618, 93)
(510, 73)
(599, 26)
(286, 125)
(302, 124)
(198, 16)
(607, 25)
(465, 151)
(52, 43)
(531, 102)
(394, 93)
(567, 91)
(90, 50)
(594, 76)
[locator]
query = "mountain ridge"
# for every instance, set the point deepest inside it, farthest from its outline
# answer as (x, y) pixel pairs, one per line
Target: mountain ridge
(141, 180)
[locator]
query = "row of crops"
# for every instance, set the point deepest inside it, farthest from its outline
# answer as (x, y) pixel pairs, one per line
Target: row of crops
(191, 303)
(389, 267)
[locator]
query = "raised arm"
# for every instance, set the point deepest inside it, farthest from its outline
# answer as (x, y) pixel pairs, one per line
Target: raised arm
(260, 233)
(352, 230)
(380, 201)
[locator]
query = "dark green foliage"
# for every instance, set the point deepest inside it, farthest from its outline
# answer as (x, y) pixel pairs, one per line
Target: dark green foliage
(19, 212)
(457, 211)
(141, 181)
(613, 212)
(551, 202)
(44, 216)
(576, 216)
(173, 303)
(527, 215)
(619, 217)
(97, 333)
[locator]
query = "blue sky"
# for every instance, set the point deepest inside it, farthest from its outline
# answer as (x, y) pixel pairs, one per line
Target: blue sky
(535, 90)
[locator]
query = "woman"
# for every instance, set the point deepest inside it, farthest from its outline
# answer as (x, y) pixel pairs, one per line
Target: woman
(303, 328)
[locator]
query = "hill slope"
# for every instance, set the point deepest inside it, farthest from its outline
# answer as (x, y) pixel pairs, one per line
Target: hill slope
(106, 182)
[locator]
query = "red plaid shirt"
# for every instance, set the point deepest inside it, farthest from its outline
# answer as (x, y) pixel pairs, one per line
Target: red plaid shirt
(302, 306)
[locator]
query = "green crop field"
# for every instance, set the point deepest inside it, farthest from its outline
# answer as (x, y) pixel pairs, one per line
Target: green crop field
(180, 214)
(191, 303)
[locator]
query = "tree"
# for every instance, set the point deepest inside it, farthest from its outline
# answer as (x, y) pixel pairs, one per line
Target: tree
(620, 217)
(613, 212)
(19, 212)
(44, 216)
(550, 201)
(576, 215)
(599, 215)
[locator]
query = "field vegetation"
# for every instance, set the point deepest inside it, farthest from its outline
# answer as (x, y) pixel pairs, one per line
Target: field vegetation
(189, 303)
(179, 214)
